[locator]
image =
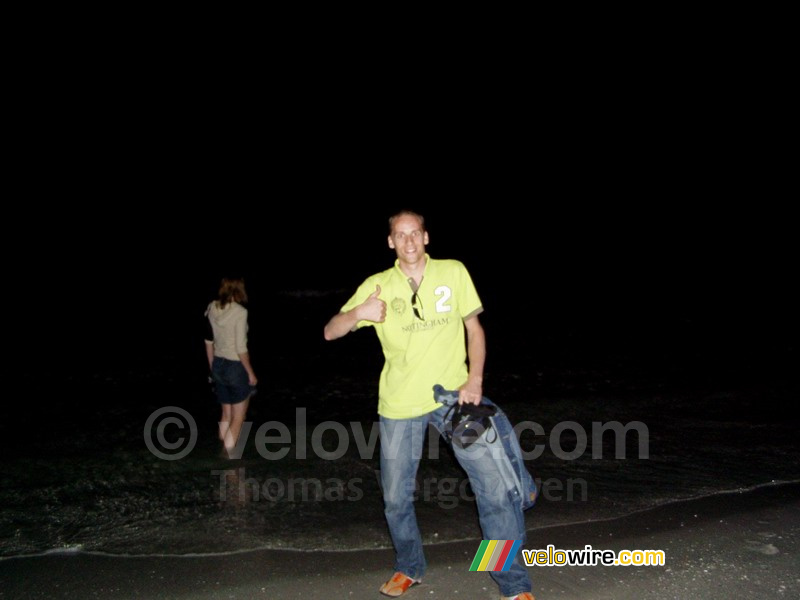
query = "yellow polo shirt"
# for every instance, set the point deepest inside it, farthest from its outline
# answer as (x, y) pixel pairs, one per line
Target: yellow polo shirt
(420, 352)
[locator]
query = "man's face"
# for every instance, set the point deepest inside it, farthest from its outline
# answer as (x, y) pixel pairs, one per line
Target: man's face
(408, 239)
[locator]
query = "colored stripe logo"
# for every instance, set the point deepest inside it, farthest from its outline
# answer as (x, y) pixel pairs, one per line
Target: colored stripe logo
(495, 555)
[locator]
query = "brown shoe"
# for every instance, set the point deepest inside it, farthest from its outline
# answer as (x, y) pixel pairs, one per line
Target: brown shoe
(522, 596)
(398, 585)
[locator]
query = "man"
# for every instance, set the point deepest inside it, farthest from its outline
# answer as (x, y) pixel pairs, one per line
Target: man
(420, 309)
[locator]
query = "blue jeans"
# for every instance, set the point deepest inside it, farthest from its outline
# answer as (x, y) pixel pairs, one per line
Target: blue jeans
(499, 508)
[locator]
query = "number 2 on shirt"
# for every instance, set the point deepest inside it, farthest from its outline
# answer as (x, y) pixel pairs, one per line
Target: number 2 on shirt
(441, 303)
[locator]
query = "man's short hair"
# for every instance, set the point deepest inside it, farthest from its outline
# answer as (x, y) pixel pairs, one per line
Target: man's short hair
(406, 213)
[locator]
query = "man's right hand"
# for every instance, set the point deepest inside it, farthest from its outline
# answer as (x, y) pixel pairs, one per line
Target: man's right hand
(373, 308)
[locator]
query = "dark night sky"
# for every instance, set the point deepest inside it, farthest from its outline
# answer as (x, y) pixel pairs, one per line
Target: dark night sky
(607, 198)
(606, 228)
(551, 262)
(556, 251)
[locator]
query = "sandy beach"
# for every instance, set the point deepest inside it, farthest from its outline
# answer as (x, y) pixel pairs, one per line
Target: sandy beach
(729, 545)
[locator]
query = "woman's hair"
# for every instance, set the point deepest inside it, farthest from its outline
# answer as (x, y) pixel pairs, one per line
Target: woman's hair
(231, 290)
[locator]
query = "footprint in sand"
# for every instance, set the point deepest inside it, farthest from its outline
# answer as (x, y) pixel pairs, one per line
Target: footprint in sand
(767, 549)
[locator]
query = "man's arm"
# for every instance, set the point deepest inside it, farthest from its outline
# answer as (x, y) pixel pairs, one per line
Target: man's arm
(372, 309)
(472, 391)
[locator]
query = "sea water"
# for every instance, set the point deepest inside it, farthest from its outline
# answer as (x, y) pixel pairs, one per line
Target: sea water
(78, 474)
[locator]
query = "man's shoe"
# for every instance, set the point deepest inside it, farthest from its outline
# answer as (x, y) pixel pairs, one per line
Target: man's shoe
(398, 585)
(522, 596)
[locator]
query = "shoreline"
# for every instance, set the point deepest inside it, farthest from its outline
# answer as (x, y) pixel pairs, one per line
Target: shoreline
(716, 547)
(72, 551)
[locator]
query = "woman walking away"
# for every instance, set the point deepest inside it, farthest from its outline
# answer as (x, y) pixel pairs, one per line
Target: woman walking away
(228, 358)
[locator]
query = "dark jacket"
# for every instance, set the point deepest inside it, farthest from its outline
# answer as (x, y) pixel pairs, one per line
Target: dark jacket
(513, 469)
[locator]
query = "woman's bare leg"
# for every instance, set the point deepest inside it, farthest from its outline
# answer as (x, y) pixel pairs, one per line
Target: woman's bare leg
(238, 414)
(225, 421)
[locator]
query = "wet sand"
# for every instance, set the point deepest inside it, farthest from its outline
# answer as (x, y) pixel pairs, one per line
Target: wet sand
(729, 545)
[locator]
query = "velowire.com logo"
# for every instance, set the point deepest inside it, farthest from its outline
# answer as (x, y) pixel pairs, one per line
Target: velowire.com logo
(495, 555)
